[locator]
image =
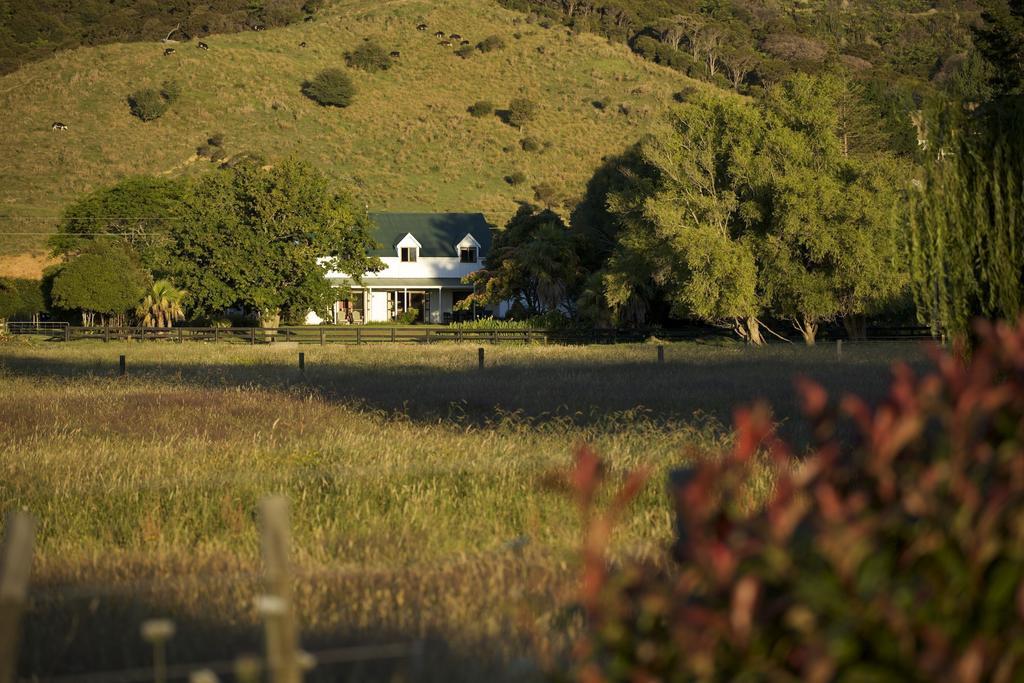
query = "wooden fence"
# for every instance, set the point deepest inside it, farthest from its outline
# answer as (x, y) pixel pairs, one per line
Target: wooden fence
(412, 334)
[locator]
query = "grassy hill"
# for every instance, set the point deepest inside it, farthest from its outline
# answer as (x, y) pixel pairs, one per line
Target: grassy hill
(407, 142)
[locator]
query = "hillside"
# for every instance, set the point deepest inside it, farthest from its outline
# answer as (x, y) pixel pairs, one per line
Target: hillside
(407, 142)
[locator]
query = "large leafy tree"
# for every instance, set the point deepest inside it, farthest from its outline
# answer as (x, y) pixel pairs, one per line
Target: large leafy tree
(21, 298)
(137, 212)
(533, 261)
(263, 239)
(104, 279)
(1000, 39)
(758, 210)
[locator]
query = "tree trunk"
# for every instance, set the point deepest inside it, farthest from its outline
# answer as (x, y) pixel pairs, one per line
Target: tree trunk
(807, 328)
(856, 326)
(749, 330)
(270, 319)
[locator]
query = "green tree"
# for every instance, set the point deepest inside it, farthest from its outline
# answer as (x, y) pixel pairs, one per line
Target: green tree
(136, 212)
(21, 298)
(533, 261)
(683, 234)
(521, 111)
(330, 88)
(967, 223)
(264, 239)
(369, 56)
(148, 104)
(103, 279)
(1000, 38)
(163, 305)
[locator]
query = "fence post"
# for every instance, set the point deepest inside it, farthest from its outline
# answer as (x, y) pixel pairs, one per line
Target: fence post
(302, 361)
(480, 357)
(15, 567)
(122, 366)
(661, 354)
(322, 339)
(282, 638)
(839, 349)
(67, 333)
(359, 335)
(252, 336)
(106, 334)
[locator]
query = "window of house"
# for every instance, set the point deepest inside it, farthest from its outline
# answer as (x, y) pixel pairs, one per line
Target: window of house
(409, 254)
(467, 255)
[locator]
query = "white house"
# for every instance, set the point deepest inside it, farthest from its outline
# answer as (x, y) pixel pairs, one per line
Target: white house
(426, 256)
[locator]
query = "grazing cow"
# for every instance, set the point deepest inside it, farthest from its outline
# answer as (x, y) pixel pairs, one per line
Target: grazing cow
(257, 27)
(439, 34)
(421, 27)
(302, 44)
(168, 52)
(396, 54)
(540, 49)
(203, 46)
(455, 36)
(464, 43)
(57, 125)
(445, 43)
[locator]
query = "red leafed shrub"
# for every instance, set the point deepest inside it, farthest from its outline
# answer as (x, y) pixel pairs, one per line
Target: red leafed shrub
(894, 552)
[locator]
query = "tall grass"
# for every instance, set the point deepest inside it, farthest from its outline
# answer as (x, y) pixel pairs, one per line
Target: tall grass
(424, 503)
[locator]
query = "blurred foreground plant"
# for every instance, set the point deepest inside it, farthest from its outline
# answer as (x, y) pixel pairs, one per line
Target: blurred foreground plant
(893, 552)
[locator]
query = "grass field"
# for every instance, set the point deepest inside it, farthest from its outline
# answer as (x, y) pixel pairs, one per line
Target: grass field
(407, 143)
(422, 495)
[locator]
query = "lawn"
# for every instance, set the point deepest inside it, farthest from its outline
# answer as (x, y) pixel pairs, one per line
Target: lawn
(424, 503)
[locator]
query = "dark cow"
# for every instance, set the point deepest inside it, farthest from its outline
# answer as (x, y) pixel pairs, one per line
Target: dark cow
(203, 46)
(421, 27)
(257, 27)
(57, 125)
(168, 52)
(302, 44)
(396, 54)
(464, 43)
(439, 34)
(445, 43)
(455, 36)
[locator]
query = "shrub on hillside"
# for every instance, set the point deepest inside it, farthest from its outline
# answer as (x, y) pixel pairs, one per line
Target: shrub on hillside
(515, 178)
(490, 44)
(147, 104)
(369, 57)
(893, 552)
(330, 88)
(481, 109)
(521, 111)
(531, 145)
(602, 103)
(466, 51)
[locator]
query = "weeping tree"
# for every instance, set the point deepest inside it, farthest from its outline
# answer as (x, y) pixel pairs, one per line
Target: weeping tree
(967, 226)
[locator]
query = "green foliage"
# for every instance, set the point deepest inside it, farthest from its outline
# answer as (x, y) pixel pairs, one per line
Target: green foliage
(264, 239)
(481, 109)
(139, 211)
(753, 210)
(1000, 39)
(162, 306)
(21, 298)
(369, 57)
(902, 523)
(533, 261)
(330, 88)
(466, 51)
(408, 317)
(967, 223)
(148, 104)
(35, 30)
(490, 44)
(516, 178)
(552, 320)
(530, 144)
(103, 278)
(521, 111)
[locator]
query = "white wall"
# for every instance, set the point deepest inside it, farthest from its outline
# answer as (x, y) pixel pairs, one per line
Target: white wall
(425, 267)
(378, 310)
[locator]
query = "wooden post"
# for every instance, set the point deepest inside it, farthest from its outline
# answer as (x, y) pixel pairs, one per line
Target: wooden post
(302, 361)
(392, 334)
(661, 354)
(252, 336)
(15, 567)
(839, 349)
(282, 638)
(322, 336)
(106, 334)
(122, 366)
(359, 335)
(480, 357)
(67, 333)
(181, 335)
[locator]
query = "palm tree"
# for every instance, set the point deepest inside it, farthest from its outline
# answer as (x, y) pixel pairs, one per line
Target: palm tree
(162, 306)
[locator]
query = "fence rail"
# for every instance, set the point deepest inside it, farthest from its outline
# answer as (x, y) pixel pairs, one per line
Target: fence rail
(370, 334)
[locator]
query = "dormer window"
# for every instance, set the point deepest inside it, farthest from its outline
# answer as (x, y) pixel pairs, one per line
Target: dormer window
(410, 254)
(408, 249)
(467, 254)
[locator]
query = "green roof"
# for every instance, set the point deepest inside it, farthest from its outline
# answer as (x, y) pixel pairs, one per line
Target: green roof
(400, 282)
(437, 233)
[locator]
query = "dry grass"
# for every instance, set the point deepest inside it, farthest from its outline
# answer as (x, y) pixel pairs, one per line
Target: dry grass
(423, 504)
(407, 143)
